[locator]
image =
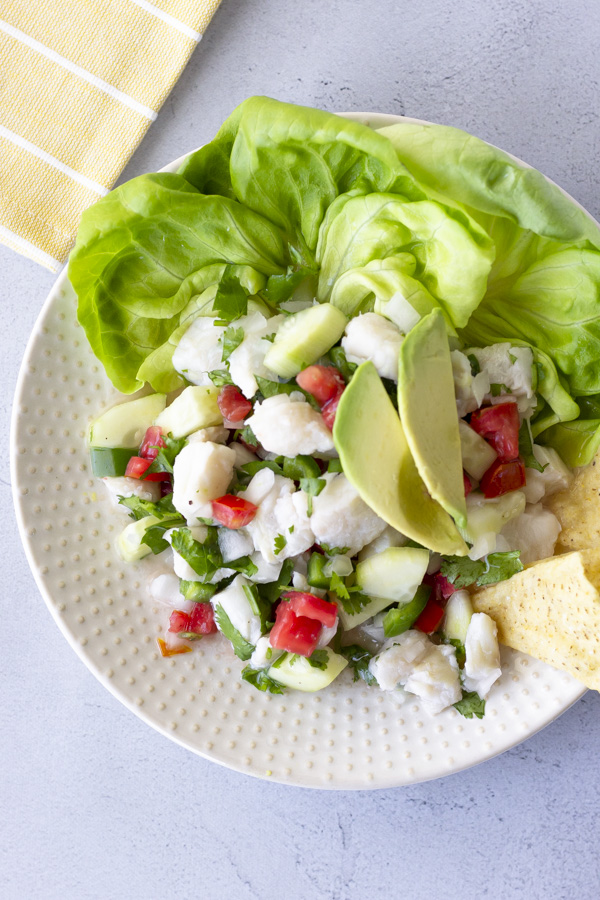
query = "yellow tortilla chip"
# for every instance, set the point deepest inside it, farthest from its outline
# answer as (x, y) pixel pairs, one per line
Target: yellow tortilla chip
(578, 510)
(551, 610)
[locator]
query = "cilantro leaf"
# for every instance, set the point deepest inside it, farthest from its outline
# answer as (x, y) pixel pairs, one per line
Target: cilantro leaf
(271, 388)
(241, 647)
(154, 536)
(262, 681)
(318, 659)
(253, 467)
(243, 564)
(462, 572)
(231, 299)
(470, 705)
(354, 602)
(259, 606)
(339, 360)
(166, 455)
(359, 659)
(299, 467)
(334, 465)
(220, 377)
(205, 559)
(269, 337)
(334, 551)
(231, 339)
(281, 287)
(312, 487)
(475, 366)
(247, 436)
(338, 587)
(526, 448)
(139, 508)
(279, 543)
(274, 589)
(496, 389)
(461, 656)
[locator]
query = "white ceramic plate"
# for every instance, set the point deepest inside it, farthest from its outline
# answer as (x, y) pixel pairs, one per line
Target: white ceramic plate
(348, 736)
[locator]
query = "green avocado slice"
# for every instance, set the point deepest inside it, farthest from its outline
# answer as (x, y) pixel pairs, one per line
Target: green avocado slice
(377, 460)
(427, 407)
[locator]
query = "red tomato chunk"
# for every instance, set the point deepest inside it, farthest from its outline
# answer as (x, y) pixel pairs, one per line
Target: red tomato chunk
(232, 511)
(329, 410)
(431, 618)
(153, 441)
(499, 425)
(296, 634)
(137, 467)
(201, 620)
(325, 383)
(312, 607)
(503, 477)
(232, 403)
(467, 484)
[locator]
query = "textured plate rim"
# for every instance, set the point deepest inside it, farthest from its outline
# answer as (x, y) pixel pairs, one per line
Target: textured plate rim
(376, 120)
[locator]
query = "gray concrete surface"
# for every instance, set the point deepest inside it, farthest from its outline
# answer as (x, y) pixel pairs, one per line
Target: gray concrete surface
(96, 806)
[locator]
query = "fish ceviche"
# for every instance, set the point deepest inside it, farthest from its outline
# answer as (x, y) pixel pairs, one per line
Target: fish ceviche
(367, 377)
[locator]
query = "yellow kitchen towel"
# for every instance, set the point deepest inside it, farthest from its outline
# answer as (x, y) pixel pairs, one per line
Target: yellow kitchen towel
(80, 83)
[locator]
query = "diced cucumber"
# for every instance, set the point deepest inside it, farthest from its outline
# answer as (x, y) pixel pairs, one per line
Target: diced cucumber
(304, 337)
(109, 462)
(129, 542)
(490, 516)
(297, 673)
(477, 454)
(314, 574)
(195, 408)
(459, 610)
(392, 576)
(125, 425)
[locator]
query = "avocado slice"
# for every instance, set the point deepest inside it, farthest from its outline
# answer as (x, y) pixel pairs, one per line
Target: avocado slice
(376, 459)
(428, 414)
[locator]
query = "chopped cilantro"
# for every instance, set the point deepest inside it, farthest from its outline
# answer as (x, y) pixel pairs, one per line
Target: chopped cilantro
(244, 565)
(470, 705)
(526, 448)
(318, 659)
(497, 389)
(354, 602)
(345, 368)
(258, 605)
(261, 680)
(271, 388)
(255, 466)
(312, 487)
(299, 467)
(334, 551)
(166, 455)
(334, 465)
(512, 357)
(463, 572)
(269, 337)
(274, 589)
(220, 377)
(230, 340)
(359, 659)
(291, 529)
(231, 299)
(475, 366)
(279, 543)
(139, 509)
(205, 559)
(242, 648)
(338, 587)
(247, 436)
(460, 650)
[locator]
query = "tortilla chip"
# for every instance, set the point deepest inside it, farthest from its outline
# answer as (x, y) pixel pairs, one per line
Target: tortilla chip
(578, 510)
(551, 610)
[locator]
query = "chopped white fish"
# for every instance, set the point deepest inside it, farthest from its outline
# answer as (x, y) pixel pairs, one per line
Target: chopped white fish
(482, 666)
(555, 477)
(399, 310)
(397, 659)
(131, 487)
(267, 571)
(234, 542)
(509, 366)
(299, 583)
(182, 568)
(288, 425)
(280, 507)
(371, 336)
(201, 473)
(469, 389)
(165, 589)
(340, 518)
(534, 533)
(436, 679)
(264, 655)
(389, 537)
(247, 360)
(327, 634)
(234, 602)
(242, 454)
(199, 351)
(215, 433)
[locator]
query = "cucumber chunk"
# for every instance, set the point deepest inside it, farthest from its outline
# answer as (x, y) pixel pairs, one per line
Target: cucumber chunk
(195, 408)
(109, 462)
(129, 542)
(477, 454)
(125, 425)
(297, 673)
(459, 611)
(303, 338)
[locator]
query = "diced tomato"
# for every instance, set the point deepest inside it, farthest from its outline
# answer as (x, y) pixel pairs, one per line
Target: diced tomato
(202, 619)
(172, 651)
(499, 425)
(503, 477)
(153, 441)
(136, 468)
(296, 634)
(431, 618)
(232, 403)
(329, 410)
(325, 383)
(232, 511)
(467, 484)
(312, 607)
(179, 621)
(441, 588)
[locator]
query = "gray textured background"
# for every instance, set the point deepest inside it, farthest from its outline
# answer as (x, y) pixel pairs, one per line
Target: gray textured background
(94, 804)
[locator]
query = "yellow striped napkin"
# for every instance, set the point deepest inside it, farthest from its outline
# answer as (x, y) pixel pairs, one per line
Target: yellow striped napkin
(80, 83)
